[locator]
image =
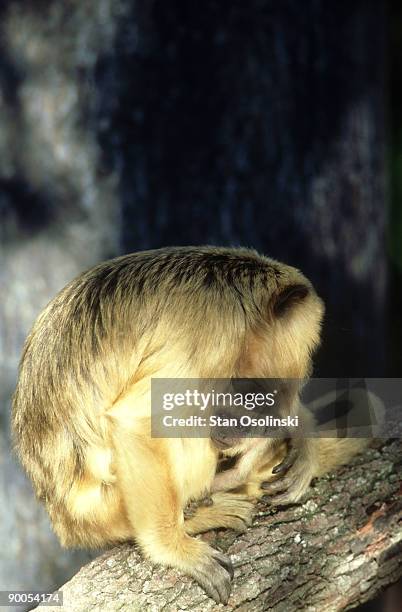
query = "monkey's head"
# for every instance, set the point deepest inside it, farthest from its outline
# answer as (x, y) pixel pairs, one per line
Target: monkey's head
(252, 318)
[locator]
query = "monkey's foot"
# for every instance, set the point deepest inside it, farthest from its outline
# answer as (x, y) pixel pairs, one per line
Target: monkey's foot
(214, 574)
(228, 510)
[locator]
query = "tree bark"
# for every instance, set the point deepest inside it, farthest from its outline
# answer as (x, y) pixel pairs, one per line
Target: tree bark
(335, 550)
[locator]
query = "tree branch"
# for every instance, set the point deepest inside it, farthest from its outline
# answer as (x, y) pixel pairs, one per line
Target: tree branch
(337, 549)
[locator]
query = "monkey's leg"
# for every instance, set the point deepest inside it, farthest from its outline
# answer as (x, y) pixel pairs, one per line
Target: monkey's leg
(155, 511)
(228, 510)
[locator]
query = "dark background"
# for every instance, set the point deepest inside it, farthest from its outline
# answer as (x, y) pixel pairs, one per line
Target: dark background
(125, 126)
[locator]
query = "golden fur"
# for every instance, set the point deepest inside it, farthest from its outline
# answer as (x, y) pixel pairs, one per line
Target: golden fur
(81, 411)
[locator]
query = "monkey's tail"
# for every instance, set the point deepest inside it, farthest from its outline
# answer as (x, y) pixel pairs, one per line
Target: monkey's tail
(350, 433)
(334, 452)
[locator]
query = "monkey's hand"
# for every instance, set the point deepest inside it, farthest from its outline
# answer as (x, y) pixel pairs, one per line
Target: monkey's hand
(192, 506)
(296, 472)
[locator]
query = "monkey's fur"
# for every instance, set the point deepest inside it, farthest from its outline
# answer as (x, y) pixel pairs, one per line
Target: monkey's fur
(81, 411)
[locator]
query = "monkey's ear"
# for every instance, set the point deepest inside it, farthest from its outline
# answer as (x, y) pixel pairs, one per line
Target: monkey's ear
(288, 298)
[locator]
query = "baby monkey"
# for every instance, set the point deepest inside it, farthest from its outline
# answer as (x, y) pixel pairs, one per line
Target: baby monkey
(82, 407)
